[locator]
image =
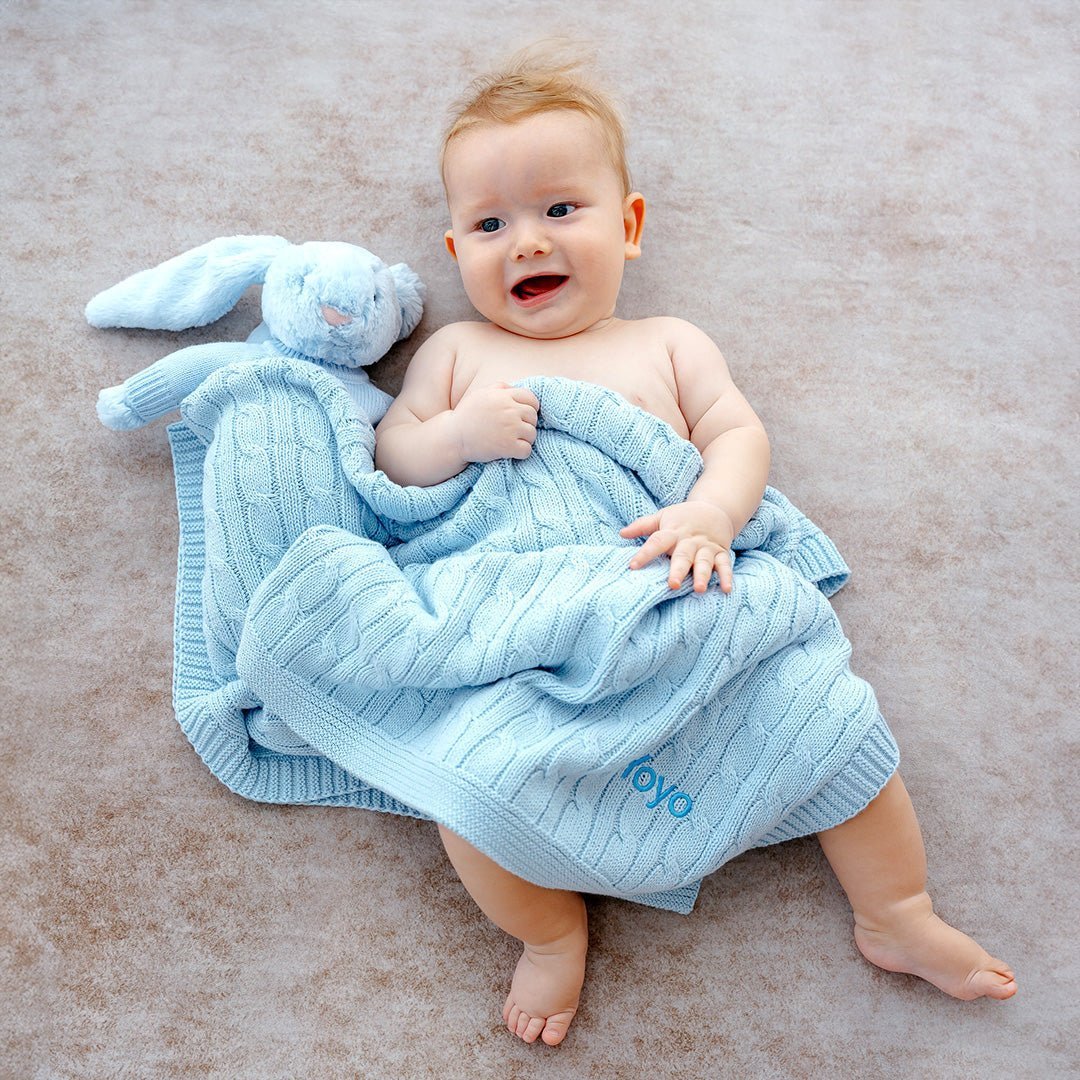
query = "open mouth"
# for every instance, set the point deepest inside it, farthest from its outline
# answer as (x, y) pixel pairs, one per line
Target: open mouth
(534, 289)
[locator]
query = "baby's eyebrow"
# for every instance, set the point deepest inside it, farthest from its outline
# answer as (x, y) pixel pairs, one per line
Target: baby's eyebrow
(477, 210)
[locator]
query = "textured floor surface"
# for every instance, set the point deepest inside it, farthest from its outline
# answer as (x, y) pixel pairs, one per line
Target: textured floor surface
(871, 208)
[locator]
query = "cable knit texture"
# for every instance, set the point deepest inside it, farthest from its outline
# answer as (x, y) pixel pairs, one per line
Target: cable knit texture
(478, 652)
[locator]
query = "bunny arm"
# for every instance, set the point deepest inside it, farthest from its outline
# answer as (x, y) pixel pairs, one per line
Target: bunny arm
(161, 387)
(368, 400)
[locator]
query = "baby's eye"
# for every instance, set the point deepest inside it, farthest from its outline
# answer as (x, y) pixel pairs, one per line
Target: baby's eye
(561, 209)
(491, 224)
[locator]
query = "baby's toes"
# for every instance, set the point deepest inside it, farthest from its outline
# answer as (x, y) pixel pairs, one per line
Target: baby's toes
(996, 981)
(556, 1027)
(529, 1027)
(511, 1012)
(521, 1024)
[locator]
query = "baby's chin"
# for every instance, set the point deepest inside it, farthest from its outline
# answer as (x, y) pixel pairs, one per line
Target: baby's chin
(551, 328)
(552, 334)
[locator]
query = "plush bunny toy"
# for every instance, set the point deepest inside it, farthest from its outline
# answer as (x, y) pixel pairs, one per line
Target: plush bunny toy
(333, 304)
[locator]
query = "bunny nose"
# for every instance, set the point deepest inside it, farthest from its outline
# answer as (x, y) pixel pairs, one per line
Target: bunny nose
(335, 317)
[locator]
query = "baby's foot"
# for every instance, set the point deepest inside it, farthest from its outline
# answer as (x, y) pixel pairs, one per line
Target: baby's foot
(547, 984)
(916, 941)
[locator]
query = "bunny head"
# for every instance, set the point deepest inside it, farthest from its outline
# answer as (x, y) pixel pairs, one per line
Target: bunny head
(339, 303)
(326, 301)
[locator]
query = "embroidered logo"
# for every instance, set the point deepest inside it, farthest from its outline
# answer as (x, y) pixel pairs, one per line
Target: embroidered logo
(645, 778)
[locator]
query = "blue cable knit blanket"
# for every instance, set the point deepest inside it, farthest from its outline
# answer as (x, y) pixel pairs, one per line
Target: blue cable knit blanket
(478, 652)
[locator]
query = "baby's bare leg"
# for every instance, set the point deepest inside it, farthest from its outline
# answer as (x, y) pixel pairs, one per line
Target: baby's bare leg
(879, 858)
(550, 923)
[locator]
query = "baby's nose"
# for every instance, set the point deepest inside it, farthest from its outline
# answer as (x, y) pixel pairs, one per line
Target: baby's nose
(531, 243)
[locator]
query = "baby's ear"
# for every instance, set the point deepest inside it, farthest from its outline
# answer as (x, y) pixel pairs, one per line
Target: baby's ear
(410, 295)
(633, 222)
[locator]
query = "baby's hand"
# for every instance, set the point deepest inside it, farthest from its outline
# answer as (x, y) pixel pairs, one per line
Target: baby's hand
(497, 421)
(696, 534)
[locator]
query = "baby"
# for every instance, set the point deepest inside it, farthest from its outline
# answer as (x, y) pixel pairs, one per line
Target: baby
(543, 220)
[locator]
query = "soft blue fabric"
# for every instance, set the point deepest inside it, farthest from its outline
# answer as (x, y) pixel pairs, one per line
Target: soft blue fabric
(333, 304)
(479, 653)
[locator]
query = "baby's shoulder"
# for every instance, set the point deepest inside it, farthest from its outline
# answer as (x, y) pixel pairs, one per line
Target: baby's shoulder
(464, 331)
(668, 327)
(442, 347)
(677, 338)
(443, 338)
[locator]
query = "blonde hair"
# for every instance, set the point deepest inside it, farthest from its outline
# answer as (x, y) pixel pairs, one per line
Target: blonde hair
(540, 78)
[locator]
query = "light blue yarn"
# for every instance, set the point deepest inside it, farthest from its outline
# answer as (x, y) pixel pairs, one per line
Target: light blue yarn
(478, 652)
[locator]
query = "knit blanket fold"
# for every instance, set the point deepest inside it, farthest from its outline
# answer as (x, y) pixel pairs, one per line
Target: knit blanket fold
(479, 652)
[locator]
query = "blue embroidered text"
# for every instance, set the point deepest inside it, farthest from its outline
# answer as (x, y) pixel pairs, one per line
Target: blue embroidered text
(679, 804)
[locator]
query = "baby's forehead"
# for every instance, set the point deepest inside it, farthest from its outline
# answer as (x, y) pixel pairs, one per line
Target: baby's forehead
(553, 146)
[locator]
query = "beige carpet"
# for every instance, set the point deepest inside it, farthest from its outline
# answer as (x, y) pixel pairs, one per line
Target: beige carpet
(873, 210)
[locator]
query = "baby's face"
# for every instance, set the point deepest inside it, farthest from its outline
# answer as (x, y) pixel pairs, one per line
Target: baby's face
(541, 229)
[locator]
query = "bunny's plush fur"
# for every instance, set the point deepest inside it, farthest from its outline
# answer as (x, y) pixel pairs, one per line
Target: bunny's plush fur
(333, 304)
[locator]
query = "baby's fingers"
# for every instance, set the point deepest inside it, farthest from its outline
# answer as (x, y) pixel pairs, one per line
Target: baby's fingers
(689, 559)
(657, 544)
(723, 570)
(642, 525)
(704, 562)
(701, 562)
(524, 396)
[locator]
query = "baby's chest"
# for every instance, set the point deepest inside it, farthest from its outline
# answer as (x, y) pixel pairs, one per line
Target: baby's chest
(649, 386)
(643, 380)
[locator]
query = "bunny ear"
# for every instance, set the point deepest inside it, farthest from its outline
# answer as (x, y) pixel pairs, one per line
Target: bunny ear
(192, 289)
(410, 294)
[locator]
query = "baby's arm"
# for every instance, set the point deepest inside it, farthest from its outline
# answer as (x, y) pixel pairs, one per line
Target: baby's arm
(423, 440)
(735, 450)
